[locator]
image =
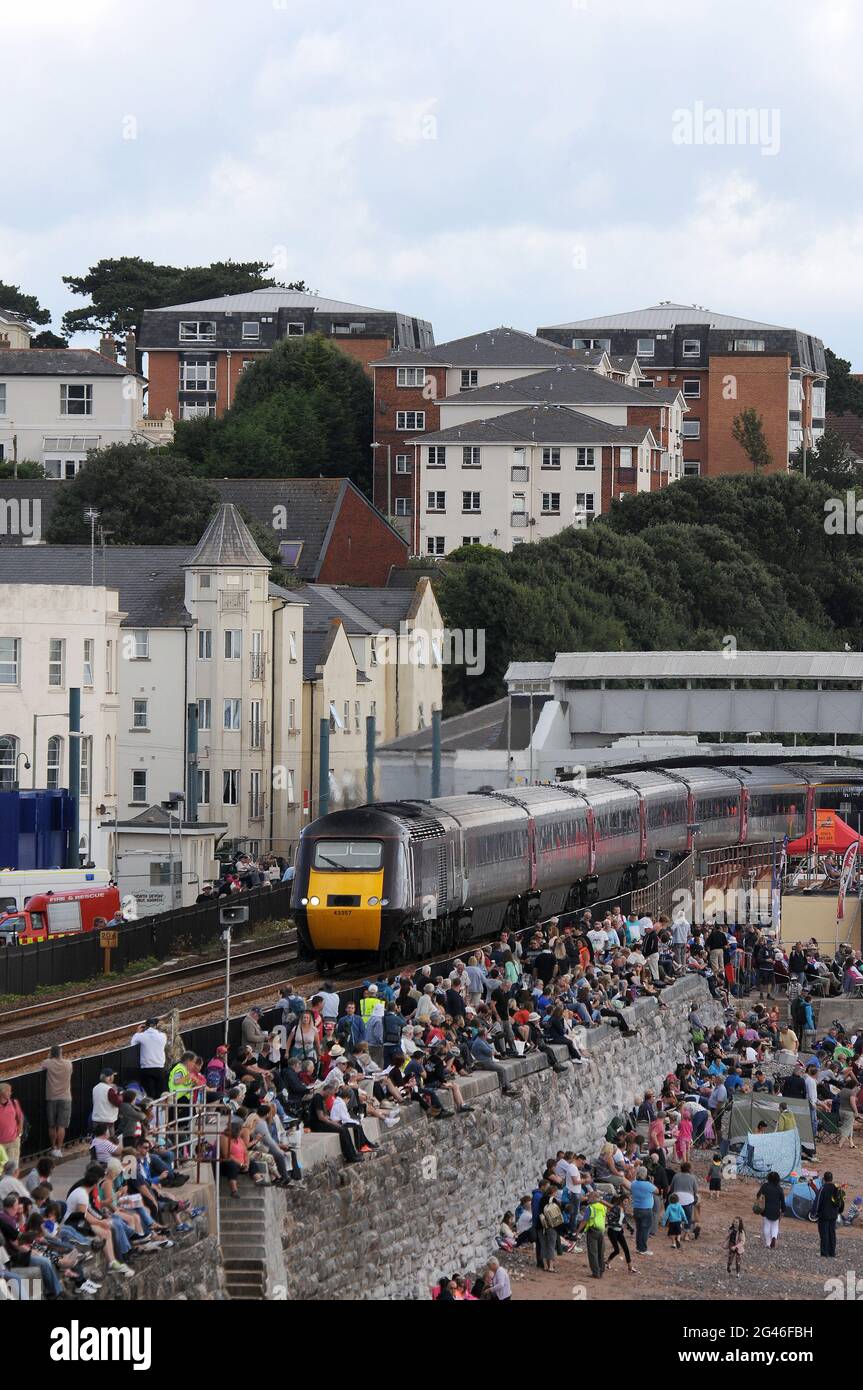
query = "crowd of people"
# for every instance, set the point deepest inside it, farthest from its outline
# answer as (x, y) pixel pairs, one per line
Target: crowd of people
(246, 872)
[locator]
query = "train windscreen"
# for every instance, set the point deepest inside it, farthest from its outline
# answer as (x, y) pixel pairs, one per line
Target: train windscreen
(359, 856)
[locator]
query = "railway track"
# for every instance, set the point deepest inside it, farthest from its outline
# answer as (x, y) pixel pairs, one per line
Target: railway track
(132, 994)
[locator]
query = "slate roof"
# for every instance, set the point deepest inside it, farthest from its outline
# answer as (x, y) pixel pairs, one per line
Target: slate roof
(565, 384)
(478, 729)
(149, 578)
(666, 315)
(59, 362)
(154, 818)
(849, 428)
(269, 300)
(228, 541)
(498, 347)
(360, 610)
(542, 424)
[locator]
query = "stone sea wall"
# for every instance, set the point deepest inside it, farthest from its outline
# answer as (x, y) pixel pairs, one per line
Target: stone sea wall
(430, 1200)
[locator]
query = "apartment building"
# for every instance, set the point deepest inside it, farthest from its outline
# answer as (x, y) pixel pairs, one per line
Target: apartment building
(409, 384)
(723, 365)
(525, 475)
(196, 351)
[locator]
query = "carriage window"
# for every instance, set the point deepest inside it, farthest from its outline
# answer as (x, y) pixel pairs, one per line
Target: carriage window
(361, 856)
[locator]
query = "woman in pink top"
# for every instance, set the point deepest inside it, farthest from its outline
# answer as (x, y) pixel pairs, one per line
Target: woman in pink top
(656, 1135)
(683, 1141)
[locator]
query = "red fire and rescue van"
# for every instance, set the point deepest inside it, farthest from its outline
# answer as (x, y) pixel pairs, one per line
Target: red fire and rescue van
(49, 916)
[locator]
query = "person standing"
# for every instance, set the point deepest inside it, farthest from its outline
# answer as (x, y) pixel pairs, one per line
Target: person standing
(616, 1225)
(151, 1043)
(770, 1204)
(735, 1244)
(11, 1123)
(593, 1224)
(828, 1207)
(642, 1193)
(58, 1098)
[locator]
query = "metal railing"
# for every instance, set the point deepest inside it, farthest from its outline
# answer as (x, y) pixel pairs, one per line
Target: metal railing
(658, 897)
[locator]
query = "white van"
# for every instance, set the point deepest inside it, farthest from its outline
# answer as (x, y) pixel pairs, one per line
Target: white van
(18, 885)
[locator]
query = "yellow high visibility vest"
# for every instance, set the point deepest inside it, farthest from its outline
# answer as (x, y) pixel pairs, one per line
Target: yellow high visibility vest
(180, 1081)
(367, 1007)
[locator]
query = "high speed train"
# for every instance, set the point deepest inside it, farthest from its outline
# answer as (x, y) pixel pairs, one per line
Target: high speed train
(406, 878)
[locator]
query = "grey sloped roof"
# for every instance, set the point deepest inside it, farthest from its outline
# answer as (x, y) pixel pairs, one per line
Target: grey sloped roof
(269, 300)
(497, 347)
(148, 578)
(746, 665)
(361, 610)
(482, 728)
(59, 362)
(541, 424)
(566, 384)
(665, 315)
(228, 541)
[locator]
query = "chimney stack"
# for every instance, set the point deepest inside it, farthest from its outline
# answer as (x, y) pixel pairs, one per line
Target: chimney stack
(131, 351)
(108, 346)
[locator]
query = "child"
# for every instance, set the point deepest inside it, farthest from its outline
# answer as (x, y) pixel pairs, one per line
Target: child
(674, 1217)
(714, 1184)
(735, 1244)
(683, 1142)
(616, 1222)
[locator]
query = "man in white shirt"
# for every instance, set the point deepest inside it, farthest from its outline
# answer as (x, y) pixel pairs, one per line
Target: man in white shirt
(598, 938)
(151, 1042)
(680, 930)
(497, 1280)
(329, 1002)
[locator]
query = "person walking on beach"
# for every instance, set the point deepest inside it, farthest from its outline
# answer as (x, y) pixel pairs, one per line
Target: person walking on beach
(828, 1207)
(768, 1205)
(735, 1244)
(616, 1224)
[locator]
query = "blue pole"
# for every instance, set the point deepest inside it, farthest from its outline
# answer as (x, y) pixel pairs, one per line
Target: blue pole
(72, 855)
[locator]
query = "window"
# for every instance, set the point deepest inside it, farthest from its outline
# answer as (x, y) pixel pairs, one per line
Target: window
(197, 374)
(194, 410)
(292, 647)
(233, 643)
(203, 786)
(10, 660)
(140, 718)
(254, 723)
(89, 652)
(359, 856)
(647, 384)
(292, 713)
(469, 379)
(437, 456)
(644, 347)
(584, 502)
(335, 718)
(421, 716)
(204, 714)
(197, 331)
(591, 344)
(436, 545)
(205, 644)
(76, 399)
(109, 667)
(56, 661)
(231, 715)
(251, 329)
(692, 429)
(205, 581)
(403, 505)
(470, 502)
(2, 398)
(691, 347)
(255, 802)
(296, 330)
(410, 376)
(139, 786)
(551, 503)
(357, 716)
(470, 540)
(691, 387)
(109, 781)
(436, 502)
(55, 760)
(231, 786)
(140, 644)
(691, 468)
(402, 463)
(85, 765)
(346, 722)
(626, 458)
(748, 344)
(8, 762)
(470, 457)
(410, 419)
(584, 458)
(551, 458)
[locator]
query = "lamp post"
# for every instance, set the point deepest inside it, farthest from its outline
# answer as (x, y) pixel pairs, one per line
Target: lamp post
(18, 757)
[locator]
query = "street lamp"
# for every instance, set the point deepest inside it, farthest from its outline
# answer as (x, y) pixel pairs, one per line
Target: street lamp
(18, 757)
(174, 800)
(230, 917)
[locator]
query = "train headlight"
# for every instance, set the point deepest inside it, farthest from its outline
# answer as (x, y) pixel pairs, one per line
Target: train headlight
(385, 902)
(373, 902)
(305, 902)
(315, 902)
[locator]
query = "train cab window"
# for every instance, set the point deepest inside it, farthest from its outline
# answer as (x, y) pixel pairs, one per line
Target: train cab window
(360, 856)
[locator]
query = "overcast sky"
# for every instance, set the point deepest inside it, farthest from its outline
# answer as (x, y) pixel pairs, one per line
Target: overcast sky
(473, 162)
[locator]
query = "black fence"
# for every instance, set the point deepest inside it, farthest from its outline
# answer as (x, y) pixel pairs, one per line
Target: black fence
(23, 969)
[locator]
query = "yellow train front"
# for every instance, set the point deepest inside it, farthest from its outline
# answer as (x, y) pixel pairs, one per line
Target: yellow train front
(351, 889)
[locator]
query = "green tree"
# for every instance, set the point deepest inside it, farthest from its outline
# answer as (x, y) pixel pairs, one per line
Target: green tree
(144, 497)
(829, 460)
(302, 411)
(748, 430)
(47, 339)
(13, 297)
(25, 468)
(119, 290)
(843, 391)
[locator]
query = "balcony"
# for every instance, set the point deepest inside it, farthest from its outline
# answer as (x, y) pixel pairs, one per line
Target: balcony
(519, 473)
(233, 601)
(256, 806)
(257, 733)
(518, 518)
(257, 663)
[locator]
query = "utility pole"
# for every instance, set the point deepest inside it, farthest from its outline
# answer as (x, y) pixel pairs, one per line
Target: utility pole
(92, 516)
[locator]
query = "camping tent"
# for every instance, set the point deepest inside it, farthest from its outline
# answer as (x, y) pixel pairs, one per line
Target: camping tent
(768, 1153)
(799, 1199)
(748, 1111)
